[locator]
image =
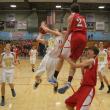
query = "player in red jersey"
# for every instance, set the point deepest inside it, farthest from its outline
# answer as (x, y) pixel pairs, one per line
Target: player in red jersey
(16, 51)
(108, 57)
(83, 97)
(75, 41)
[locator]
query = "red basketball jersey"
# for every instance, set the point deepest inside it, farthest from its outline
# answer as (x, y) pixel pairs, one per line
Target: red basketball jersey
(108, 56)
(78, 23)
(90, 75)
(16, 51)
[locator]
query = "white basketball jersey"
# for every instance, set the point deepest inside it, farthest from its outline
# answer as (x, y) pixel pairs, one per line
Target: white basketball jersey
(33, 53)
(55, 46)
(102, 57)
(8, 60)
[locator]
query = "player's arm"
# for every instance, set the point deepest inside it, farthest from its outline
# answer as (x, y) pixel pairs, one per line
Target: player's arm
(69, 21)
(83, 64)
(53, 32)
(40, 36)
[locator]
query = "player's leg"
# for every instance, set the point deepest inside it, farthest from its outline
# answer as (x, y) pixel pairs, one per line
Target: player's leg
(41, 69)
(108, 64)
(50, 69)
(77, 48)
(2, 93)
(33, 67)
(107, 83)
(69, 108)
(53, 79)
(67, 85)
(64, 54)
(85, 99)
(71, 101)
(100, 74)
(17, 57)
(58, 67)
(3, 88)
(10, 82)
(101, 81)
(32, 61)
(12, 89)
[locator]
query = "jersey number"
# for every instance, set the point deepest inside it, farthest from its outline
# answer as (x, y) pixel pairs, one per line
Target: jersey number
(80, 21)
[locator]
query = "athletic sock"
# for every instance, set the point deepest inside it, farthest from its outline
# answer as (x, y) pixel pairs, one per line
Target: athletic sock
(109, 87)
(102, 84)
(2, 101)
(70, 78)
(13, 92)
(56, 74)
(3, 97)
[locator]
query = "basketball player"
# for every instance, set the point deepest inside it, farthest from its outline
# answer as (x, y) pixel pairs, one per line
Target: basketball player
(33, 54)
(50, 60)
(101, 66)
(76, 38)
(83, 97)
(16, 51)
(7, 63)
(108, 57)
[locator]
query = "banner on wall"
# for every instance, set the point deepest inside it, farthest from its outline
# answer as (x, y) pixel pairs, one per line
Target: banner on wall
(98, 36)
(31, 36)
(91, 25)
(100, 26)
(90, 18)
(51, 18)
(11, 21)
(21, 25)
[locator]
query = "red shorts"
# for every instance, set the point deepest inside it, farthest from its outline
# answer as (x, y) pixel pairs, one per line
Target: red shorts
(16, 56)
(82, 98)
(78, 43)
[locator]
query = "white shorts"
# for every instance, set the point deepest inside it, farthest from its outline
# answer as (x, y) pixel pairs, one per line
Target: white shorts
(42, 67)
(48, 65)
(51, 66)
(101, 68)
(67, 48)
(7, 75)
(32, 60)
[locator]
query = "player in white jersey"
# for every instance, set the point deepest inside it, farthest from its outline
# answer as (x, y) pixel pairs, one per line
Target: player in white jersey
(33, 54)
(102, 65)
(50, 60)
(7, 63)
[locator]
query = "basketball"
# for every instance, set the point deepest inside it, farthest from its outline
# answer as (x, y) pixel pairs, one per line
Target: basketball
(41, 30)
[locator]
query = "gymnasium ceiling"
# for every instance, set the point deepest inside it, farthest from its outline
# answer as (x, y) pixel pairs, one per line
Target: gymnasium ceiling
(86, 5)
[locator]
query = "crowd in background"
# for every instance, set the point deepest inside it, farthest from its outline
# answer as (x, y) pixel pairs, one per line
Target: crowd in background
(24, 47)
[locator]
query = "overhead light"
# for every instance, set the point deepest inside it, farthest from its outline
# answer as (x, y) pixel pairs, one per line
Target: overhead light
(13, 6)
(101, 7)
(58, 6)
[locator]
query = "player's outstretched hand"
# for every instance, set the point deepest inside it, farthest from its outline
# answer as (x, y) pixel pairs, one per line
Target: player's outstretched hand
(74, 65)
